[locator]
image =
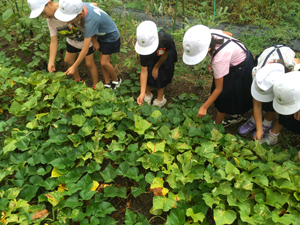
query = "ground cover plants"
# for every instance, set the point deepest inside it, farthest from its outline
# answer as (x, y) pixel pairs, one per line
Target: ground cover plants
(73, 155)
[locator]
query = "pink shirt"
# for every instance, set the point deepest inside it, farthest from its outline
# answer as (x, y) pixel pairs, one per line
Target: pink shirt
(56, 26)
(231, 55)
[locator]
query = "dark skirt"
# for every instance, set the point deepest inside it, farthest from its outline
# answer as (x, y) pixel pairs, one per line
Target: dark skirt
(165, 72)
(236, 97)
(268, 107)
(290, 123)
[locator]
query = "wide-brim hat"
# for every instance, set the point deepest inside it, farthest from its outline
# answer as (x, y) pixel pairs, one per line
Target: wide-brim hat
(196, 43)
(262, 85)
(287, 93)
(68, 10)
(36, 7)
(147, 38)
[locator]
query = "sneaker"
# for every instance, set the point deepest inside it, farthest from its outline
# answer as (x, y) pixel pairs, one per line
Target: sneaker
(230, 119)
(108, 85)
(94, 87)
(160, 103)
(247, 127)
(270, 138)
(148, 98)
(265, 130)
(116, 84)
(80, 80)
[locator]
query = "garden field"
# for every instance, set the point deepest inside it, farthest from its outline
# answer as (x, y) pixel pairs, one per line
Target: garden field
(70, 154)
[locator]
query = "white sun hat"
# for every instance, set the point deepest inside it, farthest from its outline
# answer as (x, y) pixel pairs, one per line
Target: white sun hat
(147, 38)
(196, 43)
(36, 7)
(287, 93)
(262, 85)
(68, 10)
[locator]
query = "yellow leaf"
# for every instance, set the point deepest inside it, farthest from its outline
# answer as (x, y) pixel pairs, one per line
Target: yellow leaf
(164, 191)
(236, 160)
(54, 173)
(95, 185)
(62, 188)
(1, 110)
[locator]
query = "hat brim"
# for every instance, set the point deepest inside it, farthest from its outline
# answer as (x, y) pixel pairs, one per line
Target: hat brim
(193, 60)
(268, 97)
(35, 13)
(146, 50)
(286, 109)
(63, 17)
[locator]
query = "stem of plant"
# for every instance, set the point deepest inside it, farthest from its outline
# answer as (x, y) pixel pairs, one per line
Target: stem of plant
(155, 217)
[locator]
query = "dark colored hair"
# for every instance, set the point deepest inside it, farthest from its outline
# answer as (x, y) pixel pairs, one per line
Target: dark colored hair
(214, 42)
(280, 61)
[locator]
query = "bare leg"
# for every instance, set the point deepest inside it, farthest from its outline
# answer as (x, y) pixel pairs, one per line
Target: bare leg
(160, 94)
(107, 68)
(148, 90)
(219, 118)
(90, 63)
(277, 128)
(69, 60)
(270, 115)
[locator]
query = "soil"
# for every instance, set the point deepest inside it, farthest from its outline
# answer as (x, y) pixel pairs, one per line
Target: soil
(143, 203)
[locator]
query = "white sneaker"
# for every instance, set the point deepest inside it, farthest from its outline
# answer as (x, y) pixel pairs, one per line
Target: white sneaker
(116, 84)
(148, 98)
(160, 103)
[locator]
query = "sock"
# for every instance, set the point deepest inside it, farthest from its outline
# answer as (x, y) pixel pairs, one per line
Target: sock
(267, 123)
(158, 100)
(148, 95)
(274, 134)
(252, 119)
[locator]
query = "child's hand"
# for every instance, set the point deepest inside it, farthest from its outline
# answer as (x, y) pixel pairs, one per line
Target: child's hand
(154, 73)
(96, 46)
(202, 112)
(140, 99)
(71, 70)
(258, 135)
(51, 67)
(297, 115)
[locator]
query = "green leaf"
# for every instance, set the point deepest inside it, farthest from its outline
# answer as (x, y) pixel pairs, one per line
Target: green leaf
(87, 194)
(196, 217)
(29, 192)
(164, 203)
(73, 202)
(141, 125)
(109, 173)
(130, 217)
(12, 193)
(231, 169)
(85, 183)
(7, 14)
(78, 120)
(206, 150)
(157, 147)
(176, 217)
(222, 216)
(54, 197)
(111, 191)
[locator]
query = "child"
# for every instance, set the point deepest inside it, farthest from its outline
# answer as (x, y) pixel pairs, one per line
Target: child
(286, 102)
(73, 32)
(277, 53)
(232, 64)
(99, 28)
(157, 56)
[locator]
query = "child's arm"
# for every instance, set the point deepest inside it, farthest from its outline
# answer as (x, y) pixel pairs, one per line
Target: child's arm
(297, 115)
(82, 55)
(297, 61)
(228, 33)
(143, 81)
(257, 107)
(219, 87)
(52, 53)
(161, 60)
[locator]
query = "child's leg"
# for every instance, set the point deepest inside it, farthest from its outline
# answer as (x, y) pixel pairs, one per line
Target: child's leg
(69, 60)
(160, 94)
(270, 116)
(276, 128)
(148, 90)
(219, 118)
(90, 63)
(107, 68)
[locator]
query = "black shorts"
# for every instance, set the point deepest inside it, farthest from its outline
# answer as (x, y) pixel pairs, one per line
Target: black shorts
(268, 106)
(108, 48)
(72, 49)
(290, 123)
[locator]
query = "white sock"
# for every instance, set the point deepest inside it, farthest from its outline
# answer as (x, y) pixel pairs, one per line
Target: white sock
(274, 134)
(267, 123)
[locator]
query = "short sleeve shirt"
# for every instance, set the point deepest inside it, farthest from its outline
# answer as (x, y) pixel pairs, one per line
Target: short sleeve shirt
(231, 55)
(97, 22)
(164, 45)
(287, 53)
(73, 32)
